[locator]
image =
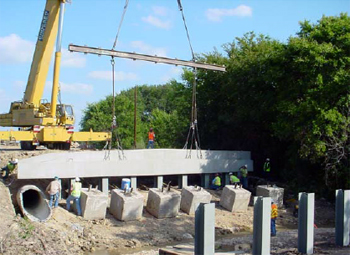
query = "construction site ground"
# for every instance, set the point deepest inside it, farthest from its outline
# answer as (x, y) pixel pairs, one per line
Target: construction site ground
(66, 233)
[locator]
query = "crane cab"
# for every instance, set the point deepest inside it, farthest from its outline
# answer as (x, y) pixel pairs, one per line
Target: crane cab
(65, 114)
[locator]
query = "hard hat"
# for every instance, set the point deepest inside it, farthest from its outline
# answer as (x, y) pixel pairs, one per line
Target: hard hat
(15, 161)
(56, 178)
(245, 166)
(77, 179)
(268, 159)
(230, 173)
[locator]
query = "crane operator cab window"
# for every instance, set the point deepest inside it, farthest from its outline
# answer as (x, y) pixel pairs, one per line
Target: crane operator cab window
(69, 111)
(65, 113)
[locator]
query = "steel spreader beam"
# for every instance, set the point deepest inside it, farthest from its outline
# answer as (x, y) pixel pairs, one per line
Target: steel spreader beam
(136, 56)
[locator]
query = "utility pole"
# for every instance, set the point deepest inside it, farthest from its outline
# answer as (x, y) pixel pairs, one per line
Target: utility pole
(135, 112)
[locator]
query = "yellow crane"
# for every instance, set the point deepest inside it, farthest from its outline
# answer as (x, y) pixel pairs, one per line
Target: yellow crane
(39, 121)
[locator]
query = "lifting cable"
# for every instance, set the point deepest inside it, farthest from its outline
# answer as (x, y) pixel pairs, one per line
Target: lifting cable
(193, 133)
(120, 23)
(114, 118)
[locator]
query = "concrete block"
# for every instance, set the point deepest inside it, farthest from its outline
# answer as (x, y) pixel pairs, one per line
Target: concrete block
(275, 193)
(235, 199)
(93, 204)
(191, 197)
(163, 204)
(126, 206)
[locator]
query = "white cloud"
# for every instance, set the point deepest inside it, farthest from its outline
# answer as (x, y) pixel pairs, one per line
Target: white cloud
(72, 59)
(160, 10)
(77, 88)
(154, 21)
(217, 14)
(118, 76)
(69, 88)
(148, 49)
(15, 50)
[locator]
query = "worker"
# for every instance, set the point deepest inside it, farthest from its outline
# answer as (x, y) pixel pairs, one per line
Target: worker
(234, 180)
(75, 195)
(274, 214)
(151, 137)
(54, 190)
(216, 182)
(9, 168)
(267, 170)
(244, 176)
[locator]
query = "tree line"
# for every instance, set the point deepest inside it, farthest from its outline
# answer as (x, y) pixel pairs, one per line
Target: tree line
(286, 101)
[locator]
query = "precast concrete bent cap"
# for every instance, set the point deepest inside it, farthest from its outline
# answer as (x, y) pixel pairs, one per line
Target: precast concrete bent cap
(33, 205)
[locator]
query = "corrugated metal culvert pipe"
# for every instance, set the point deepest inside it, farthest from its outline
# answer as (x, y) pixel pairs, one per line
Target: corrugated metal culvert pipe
(32, 202)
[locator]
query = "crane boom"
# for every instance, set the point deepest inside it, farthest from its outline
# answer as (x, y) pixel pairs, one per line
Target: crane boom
(43, 53)
(39, 121)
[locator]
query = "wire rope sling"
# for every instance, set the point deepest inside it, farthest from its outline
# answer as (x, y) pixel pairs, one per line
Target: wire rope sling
(193, 132)
(114, 125)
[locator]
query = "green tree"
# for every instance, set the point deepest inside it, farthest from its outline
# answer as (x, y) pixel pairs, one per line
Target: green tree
(163, 107)
(313, 100)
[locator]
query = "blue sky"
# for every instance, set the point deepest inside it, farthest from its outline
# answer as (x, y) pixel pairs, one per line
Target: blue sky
(150, 27)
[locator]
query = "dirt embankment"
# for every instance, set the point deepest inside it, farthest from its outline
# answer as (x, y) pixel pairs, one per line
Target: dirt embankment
(65, 233)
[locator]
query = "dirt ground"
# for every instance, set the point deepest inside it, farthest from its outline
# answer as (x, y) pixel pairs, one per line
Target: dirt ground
(66, 233)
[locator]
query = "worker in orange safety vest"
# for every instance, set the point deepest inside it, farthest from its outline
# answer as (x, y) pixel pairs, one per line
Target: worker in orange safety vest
(151, 137)
(274, 214)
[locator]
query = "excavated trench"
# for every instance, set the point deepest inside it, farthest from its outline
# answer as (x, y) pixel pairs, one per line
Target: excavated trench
(32, 203)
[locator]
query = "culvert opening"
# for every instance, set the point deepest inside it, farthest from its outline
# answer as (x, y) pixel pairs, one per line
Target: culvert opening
(33, 204)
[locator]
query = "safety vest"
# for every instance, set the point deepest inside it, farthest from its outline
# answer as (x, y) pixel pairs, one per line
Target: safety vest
(11, 167)
(76, 189)
(234, 179)
(151, 136)
(217, 181)
(244, 172)
(267, 167)
(274, 212)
